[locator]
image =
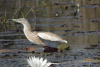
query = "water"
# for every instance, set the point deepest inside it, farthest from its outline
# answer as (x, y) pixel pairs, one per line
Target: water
(80, 28)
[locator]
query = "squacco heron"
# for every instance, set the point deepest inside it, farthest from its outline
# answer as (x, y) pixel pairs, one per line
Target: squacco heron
(46, 39)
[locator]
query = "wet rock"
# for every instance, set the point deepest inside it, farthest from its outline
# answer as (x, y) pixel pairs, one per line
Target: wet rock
(57, 4)
(64, 25)
(91, 31)
(33, 51)
(15, 55)
(80, 32)
(67, 30)
(89, 48)
(78, 26)
(94, 45)
(94, 21)
(7, 55)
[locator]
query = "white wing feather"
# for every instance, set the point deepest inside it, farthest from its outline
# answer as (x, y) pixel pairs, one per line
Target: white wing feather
(48, 37)
(51, 37)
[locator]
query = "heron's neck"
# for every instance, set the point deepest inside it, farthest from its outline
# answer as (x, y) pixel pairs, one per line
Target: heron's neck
(27, 28)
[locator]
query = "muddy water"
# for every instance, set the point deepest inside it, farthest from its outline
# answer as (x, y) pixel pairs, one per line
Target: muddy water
(78, 25)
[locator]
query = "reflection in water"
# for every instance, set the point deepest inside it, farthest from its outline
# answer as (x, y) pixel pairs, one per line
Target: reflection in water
(81, 30)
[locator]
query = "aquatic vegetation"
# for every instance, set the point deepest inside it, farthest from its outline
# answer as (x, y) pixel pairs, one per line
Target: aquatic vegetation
(4, 21)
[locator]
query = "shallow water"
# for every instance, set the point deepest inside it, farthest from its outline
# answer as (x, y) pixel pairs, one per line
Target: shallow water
(81, 30)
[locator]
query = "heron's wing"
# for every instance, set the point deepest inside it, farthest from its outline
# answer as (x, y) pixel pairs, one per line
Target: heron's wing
(49, 36)
(51, 39)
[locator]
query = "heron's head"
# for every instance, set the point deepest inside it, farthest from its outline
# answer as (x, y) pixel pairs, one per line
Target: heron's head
(20, 20)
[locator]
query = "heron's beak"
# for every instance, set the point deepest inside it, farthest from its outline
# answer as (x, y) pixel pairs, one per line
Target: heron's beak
(16, 20)
(13, 19)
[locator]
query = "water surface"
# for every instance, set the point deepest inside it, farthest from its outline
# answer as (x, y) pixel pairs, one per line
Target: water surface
(78, 25)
